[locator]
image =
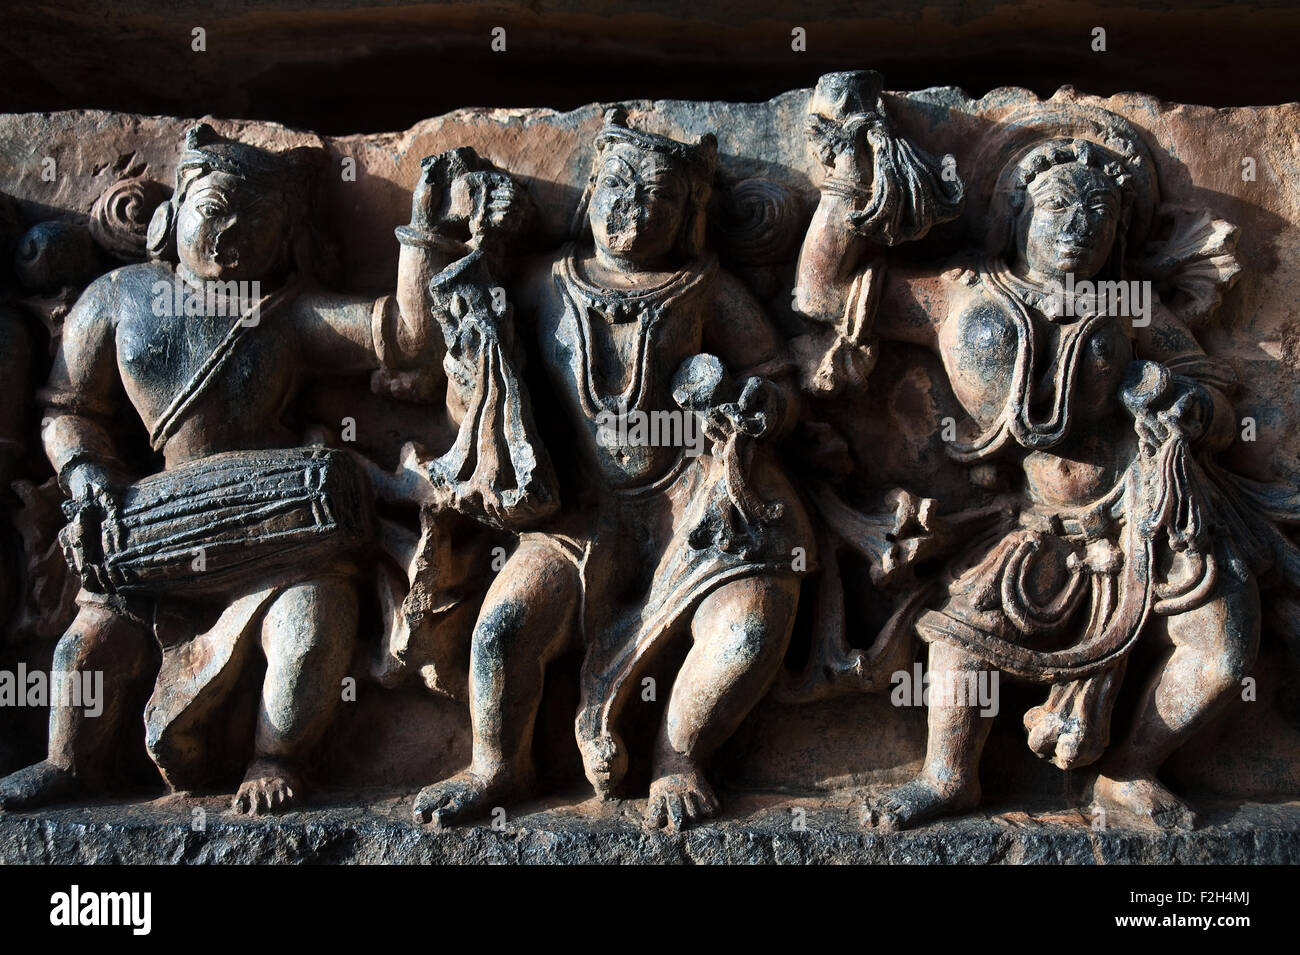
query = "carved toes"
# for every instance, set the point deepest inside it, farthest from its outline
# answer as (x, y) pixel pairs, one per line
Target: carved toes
(453, 801)
(265, 792)
(678, 801)
(914, 803)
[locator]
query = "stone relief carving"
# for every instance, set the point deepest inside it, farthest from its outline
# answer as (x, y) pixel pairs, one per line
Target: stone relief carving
(244, 543)
(1096, 416)
(632, 473)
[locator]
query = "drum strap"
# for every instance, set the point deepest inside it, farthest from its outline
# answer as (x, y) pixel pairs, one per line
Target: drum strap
(172, 417)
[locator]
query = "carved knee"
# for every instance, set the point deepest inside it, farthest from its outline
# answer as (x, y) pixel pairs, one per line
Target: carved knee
(100, 638)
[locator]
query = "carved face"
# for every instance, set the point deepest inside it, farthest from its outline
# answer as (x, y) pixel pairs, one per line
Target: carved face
(1068, 223)
(638, 204)
(229, 230)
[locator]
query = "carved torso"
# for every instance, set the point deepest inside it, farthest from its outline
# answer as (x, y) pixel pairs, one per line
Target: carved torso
(159, 352)
(608, 353)
(1074, 367)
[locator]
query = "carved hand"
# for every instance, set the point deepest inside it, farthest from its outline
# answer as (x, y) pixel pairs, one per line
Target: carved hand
(757, 413)
(428, 197)
(91, 484)
(432, 200)
(1164, 404)
(1190, 411)
(499, 208)
(845, 147)
(845, 123)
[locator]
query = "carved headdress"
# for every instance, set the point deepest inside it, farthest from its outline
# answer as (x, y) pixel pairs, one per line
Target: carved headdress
(1032, 140)
(1186, 251)
(698, 162)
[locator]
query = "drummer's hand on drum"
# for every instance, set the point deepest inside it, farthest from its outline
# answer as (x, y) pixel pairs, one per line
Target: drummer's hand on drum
(90, 483)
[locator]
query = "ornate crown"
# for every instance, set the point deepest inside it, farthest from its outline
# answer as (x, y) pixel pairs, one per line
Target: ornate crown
(291, 173)
(700, 158)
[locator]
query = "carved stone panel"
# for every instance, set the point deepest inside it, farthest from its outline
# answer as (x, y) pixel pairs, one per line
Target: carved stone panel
(920, 459)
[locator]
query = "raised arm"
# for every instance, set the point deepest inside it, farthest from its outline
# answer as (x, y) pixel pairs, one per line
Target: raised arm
(459, 206)
(833, 252)
(877, 191)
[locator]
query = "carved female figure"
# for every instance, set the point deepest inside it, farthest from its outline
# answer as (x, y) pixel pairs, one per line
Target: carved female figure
(656, 539)
(1095, 420)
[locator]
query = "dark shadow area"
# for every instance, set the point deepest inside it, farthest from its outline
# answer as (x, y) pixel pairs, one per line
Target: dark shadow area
(352, 67)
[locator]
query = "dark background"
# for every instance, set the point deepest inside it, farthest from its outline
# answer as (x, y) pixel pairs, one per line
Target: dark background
(345, 66)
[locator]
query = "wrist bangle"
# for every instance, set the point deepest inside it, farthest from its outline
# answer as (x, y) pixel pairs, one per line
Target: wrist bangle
(426, 239)
(72, 464)
(845, 189)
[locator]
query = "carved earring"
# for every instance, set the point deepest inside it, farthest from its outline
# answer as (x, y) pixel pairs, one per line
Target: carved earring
(160, 240)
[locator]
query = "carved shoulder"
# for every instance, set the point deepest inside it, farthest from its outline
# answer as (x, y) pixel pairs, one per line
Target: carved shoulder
(91, 325)
(84, 378)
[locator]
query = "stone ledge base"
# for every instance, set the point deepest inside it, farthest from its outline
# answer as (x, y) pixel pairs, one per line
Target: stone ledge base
(757, 829)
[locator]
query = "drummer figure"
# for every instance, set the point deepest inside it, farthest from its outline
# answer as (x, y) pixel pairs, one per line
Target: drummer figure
(205, 385)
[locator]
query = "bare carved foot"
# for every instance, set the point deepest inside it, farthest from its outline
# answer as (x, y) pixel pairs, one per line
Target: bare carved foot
(268, 786)
(1143, 799)
(465, 796)
(919, 801)
(37, 785)
(679, 799)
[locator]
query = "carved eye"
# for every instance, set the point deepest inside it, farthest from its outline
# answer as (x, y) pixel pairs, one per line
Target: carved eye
(212, 209)
(1053, 203)
(612, 182)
